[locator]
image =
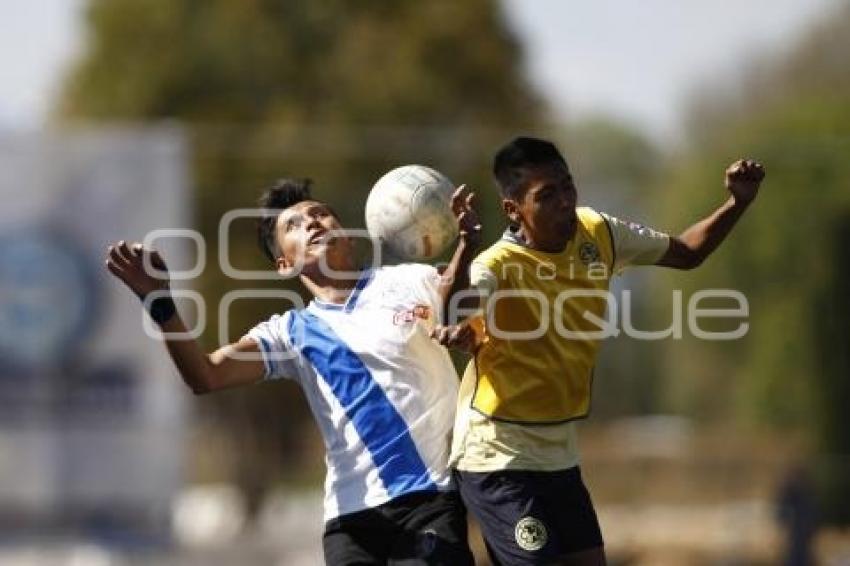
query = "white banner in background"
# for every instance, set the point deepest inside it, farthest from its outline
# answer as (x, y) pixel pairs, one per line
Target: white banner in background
(91, 414)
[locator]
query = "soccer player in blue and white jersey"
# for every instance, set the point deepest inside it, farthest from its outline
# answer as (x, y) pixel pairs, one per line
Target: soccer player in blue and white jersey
(381, 390)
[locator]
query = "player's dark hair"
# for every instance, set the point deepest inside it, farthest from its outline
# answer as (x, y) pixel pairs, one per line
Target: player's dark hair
(514, 159)
(283, 194)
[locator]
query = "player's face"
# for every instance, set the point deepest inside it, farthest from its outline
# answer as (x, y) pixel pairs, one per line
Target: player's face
(307, 232)
(546, 212)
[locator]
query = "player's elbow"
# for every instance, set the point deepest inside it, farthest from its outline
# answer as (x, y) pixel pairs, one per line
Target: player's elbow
(202, 382)
(201, 388)
(683, 255)
(693, 260)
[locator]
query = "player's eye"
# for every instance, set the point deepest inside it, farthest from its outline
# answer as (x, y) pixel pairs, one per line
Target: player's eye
(293, 222)
(546, 193)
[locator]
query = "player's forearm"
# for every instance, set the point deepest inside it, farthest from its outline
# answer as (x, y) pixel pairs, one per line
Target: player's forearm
(192, 362)
(695, 244)
(201, 372)
(456, 276)
(704, 237)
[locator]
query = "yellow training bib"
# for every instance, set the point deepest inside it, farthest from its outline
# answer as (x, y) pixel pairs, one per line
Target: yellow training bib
(535, 365)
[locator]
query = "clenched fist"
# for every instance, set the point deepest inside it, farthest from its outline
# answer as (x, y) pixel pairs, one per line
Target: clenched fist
(743, 179)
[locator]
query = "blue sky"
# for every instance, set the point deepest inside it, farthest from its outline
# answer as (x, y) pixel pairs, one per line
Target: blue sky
(637, 60)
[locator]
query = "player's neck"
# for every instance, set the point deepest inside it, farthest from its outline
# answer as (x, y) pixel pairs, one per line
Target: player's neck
(334, 290)
(553, 244)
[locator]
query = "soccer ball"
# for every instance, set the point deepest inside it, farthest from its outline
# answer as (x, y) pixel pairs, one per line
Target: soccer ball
(409, 211)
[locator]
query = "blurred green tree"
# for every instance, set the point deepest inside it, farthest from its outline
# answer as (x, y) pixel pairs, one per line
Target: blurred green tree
(789, 253)
(337, 91)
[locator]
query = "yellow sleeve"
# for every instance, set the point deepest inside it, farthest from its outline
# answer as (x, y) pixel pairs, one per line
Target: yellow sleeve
(484, 281)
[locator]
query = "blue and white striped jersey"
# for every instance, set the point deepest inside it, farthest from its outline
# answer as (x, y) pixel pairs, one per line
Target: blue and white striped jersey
(381, 390)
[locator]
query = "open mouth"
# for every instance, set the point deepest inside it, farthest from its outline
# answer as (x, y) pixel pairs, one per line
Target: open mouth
(320, 237)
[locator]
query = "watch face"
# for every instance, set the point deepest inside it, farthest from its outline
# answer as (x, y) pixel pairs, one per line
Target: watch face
(46, 298)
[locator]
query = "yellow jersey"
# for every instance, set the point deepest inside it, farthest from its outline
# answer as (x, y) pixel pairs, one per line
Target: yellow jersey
(542, 322)
(536, 362)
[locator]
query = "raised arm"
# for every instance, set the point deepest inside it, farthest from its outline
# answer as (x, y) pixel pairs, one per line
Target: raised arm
(230, 366)
(456, 276)
(690, 248)
(453, 333)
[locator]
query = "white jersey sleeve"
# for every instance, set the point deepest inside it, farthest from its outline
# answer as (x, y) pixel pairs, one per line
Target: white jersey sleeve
(635, 244)
(272, 337)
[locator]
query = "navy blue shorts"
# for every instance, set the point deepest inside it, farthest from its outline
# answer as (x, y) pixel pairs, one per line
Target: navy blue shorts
(531, 517)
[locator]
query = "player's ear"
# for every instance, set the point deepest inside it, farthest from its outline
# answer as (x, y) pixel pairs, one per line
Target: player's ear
(285, 268)
(511, 208)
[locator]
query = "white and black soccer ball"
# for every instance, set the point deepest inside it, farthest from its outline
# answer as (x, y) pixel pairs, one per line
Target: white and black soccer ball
(409, 211)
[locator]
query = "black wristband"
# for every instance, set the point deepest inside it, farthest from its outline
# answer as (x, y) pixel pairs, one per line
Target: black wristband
(162, 309)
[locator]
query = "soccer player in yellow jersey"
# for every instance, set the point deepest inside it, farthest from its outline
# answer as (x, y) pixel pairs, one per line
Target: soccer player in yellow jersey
(514, 448)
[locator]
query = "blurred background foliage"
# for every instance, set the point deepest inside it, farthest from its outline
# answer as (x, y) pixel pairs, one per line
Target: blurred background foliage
(789, 254)
(343, 91)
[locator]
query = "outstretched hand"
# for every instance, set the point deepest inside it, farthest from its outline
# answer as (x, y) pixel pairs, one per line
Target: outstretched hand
(132, 265)
(743, 179)
(469, 226)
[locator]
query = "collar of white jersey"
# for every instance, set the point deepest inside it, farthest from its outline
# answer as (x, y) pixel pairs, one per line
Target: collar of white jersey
(351, 302)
